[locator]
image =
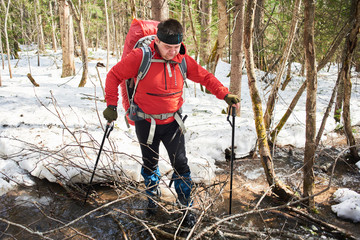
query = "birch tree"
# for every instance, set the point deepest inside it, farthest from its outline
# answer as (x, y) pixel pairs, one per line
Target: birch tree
(107, 37)
(78, 13)
(53, 27)
(115, 32)
(6, 9)
(38, 17)
(1, 49)
(67, 39)
(1, 52)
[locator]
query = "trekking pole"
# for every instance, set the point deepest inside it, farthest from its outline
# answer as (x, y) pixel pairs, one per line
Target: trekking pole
(108, 129)
(233, 113)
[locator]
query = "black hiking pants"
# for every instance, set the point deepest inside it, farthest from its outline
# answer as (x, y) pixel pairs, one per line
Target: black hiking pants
(163, 133)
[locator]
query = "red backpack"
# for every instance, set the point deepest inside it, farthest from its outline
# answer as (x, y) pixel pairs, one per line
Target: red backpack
(138, 30)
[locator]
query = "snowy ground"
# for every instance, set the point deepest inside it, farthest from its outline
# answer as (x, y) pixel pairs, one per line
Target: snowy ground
(41, 127)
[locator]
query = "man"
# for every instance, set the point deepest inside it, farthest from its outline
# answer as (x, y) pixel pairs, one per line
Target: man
(159, 97)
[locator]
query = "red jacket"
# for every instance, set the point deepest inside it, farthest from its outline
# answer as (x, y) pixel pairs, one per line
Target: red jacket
(158, 92)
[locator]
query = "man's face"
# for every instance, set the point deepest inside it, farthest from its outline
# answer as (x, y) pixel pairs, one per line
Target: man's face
(167, 51)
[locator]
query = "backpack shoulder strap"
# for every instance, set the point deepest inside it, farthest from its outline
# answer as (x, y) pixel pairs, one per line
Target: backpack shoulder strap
(145, 62)
(144, 67)
(183, 68)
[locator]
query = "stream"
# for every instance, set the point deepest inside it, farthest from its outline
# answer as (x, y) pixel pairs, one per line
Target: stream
(47, 206)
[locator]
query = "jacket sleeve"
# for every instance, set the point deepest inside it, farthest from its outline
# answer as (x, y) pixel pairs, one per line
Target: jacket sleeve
(198, 74)
(127, 68)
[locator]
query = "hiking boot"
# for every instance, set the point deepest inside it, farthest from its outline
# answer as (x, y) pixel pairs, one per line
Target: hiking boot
(189, 220)
(151, 207)
(183, 186)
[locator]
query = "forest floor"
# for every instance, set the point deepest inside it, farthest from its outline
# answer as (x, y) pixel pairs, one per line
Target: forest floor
(256, 213)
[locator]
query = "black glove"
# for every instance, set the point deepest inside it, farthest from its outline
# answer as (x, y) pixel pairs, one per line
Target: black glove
(231, 99)
(110, 113)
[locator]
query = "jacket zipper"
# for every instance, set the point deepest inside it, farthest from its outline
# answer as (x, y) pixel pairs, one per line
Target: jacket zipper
(167, 66)
(165, 76)
(173, 65)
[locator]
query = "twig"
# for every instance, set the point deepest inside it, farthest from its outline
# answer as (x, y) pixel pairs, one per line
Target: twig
(89, 213)
(58, 221)
(329, 226)
(40, 234)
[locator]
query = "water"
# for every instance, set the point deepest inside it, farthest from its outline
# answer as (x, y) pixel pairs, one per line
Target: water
(47, 206)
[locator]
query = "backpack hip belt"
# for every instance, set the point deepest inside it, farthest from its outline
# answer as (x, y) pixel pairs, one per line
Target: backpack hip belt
(162, 116)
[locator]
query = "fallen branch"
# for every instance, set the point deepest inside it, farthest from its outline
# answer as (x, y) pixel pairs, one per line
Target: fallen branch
(329, 226)
(32, 80)
(40, 234)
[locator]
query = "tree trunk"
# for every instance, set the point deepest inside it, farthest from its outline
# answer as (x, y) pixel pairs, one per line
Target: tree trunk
(2, 57)
(107, 37)
(311, 88)
(288, 71)
(193, 31)
(133, 9)
(159, 10)
(183, 15)
(288, 112)
(279, 188)
(67, 39)
(53, 28)
(115, 32)
(237, 49)
(2, 50)
(350, 47)
(22, 23)
(40, 28)
(6, 9)
(357, 60)
(97, 33)
(327, 112)
(221, 37)
(340, 90)
(339, 97)
(78, 13)
(334, 46)
(205, 14)
(281, 69)
(259, 36)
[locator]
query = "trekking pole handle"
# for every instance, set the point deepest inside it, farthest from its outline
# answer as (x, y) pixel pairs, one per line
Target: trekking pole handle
(109, 128)
(232, 112)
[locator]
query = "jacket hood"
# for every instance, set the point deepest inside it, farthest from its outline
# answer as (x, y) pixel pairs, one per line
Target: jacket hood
(178, 58)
